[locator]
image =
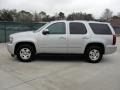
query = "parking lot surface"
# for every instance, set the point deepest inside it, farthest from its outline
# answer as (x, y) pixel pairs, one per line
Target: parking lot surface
(51, 72)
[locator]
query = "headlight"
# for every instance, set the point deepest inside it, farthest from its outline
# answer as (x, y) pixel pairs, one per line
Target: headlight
(11, 39)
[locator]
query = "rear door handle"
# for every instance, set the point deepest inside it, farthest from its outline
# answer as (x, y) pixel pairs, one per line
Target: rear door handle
(85, 38)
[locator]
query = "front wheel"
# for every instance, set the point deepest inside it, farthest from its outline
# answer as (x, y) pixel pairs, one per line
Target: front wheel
(94, 54)
(25, 53)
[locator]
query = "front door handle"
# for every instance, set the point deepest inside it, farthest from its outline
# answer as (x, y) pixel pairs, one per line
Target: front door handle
(62, 37)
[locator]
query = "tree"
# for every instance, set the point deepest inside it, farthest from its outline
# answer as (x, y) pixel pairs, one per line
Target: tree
(118, 14)
(24, 16)
(89, 17)
(115, 17)
(75, 16)
(0, 15)
(107, 15)
(52, 18)
(42, 15)
(6, 15)
(61, 16)
(70, 17)
(80, 16)
(47, 18)
(14, 14)
(36, 17)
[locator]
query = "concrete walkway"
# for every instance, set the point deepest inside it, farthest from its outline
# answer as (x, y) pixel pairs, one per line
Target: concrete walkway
(59, 73)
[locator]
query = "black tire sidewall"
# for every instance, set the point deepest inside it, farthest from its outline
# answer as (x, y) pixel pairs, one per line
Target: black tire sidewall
(25, 46)
(88, 51)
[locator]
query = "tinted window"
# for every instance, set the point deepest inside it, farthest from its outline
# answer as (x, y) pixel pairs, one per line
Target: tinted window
(57, 28)
(100, 28)
(77, 28)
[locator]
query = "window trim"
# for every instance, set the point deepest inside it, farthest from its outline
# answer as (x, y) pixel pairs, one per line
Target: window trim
(55, 23)
(78, 33)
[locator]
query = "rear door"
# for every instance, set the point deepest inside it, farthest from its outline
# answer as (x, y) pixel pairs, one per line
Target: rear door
(77, 37)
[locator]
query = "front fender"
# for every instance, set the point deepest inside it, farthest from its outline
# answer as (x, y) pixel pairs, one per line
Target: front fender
(30, 40)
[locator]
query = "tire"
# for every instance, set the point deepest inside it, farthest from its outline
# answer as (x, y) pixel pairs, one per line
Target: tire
(94, 54)
(25, 53)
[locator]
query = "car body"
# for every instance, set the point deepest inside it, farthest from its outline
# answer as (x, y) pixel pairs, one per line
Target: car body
(66, 37)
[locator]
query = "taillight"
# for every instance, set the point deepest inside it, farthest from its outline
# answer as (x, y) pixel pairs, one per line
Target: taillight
(114, 39)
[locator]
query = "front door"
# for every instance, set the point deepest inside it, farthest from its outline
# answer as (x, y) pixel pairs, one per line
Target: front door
(56, 40)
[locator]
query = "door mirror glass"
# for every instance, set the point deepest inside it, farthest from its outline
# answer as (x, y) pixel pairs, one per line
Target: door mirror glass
(45, 32)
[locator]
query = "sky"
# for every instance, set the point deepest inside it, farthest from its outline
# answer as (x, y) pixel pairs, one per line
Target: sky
(51, 7)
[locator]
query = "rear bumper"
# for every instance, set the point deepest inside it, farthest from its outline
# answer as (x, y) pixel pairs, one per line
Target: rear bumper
(10, 48)
(110, 49)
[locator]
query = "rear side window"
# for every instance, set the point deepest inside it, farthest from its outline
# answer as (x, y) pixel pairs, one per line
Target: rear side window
(100, 28)
(77, 28)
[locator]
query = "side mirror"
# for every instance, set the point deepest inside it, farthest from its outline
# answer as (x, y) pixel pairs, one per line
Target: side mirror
(45, 32)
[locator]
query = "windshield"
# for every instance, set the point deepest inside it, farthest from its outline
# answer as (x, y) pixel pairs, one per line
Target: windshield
(42, 27)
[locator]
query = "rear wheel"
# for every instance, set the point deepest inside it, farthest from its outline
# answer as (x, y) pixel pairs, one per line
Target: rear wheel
(25, 53)
(94, 54)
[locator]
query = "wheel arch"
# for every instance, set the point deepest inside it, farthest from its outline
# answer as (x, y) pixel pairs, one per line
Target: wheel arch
(101, 45)
(24, 43)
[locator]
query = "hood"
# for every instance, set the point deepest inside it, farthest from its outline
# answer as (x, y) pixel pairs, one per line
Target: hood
(20, 34)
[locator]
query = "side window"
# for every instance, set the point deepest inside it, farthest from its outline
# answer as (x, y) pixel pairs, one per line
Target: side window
(77, 28)
(100, 28)
(57, 28)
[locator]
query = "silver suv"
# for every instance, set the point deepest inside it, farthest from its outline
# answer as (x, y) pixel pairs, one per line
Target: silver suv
(90, 38)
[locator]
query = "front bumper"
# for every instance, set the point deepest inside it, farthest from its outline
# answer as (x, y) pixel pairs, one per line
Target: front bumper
(110, 49)
(10, 48)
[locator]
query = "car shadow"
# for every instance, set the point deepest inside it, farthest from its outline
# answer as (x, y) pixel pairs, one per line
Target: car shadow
(59, 58)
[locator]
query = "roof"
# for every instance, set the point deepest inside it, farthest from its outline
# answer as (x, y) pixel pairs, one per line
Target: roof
(81, 21)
